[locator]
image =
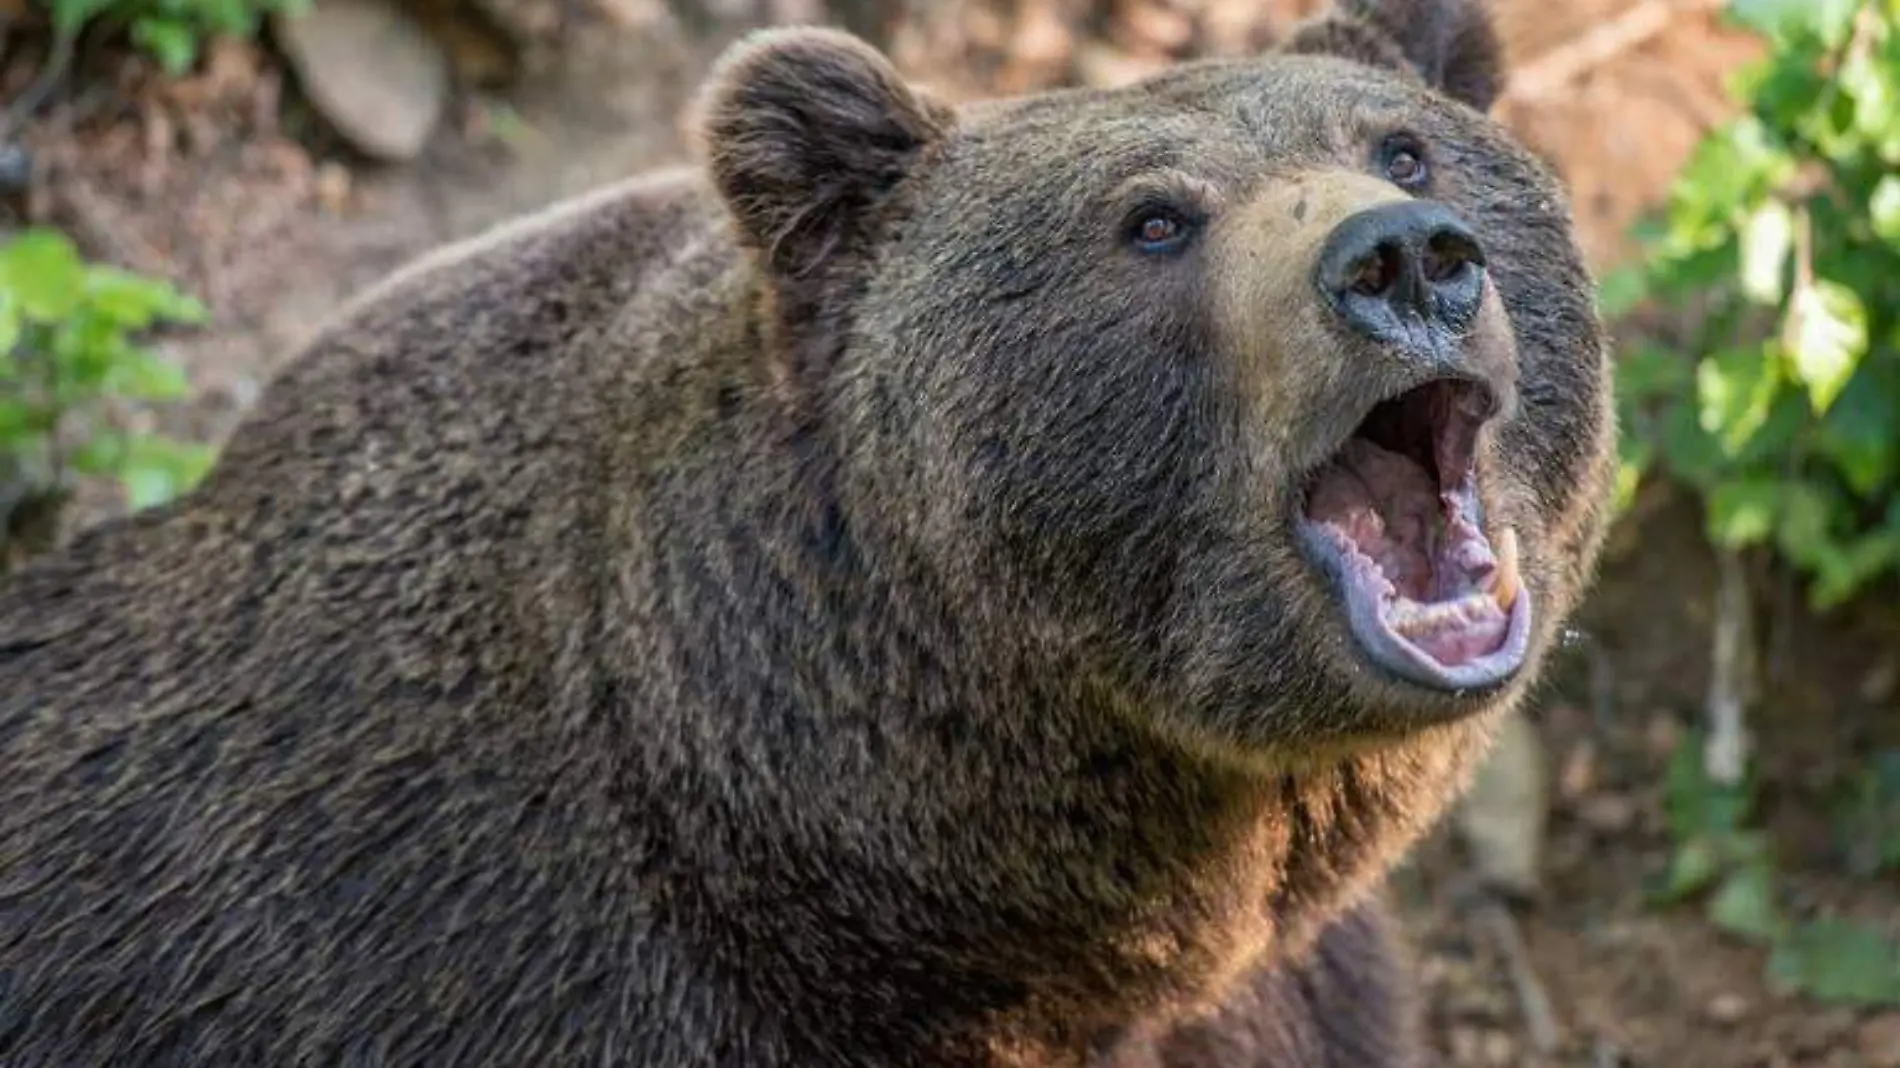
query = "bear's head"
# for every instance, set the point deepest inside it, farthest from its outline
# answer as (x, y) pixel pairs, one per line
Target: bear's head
(1270, 390)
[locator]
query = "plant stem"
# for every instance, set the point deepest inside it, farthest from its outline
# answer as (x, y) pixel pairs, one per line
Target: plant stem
(51, 74)
(1732, 676)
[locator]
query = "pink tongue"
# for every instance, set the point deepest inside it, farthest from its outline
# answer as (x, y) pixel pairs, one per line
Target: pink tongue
(1386, 503)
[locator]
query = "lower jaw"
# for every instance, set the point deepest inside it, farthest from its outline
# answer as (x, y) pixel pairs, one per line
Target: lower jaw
(1392, 654)
(1485, 673)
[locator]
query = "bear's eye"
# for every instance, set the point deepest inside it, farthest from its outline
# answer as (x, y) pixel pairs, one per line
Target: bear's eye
(1159, 230)
(1404, 160)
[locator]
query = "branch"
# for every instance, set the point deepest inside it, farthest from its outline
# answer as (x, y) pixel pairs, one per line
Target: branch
(1732, 677)
(1540, 1019)
(51, 73)
(1555, 69)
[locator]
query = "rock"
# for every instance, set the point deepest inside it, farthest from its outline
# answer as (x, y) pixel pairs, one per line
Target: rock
(1152, 29)
(1500, 1050)
(1608, 813)
(1662, 734)
(1042, 46)
(333, 182)
(1879, 684)
(1726, 1008)
(1502, 817)
(1579, 774)
(16, 168)
(1467, 1045)
(633, 13)
(1106, 68)
(376, 75)
(1879, 1041)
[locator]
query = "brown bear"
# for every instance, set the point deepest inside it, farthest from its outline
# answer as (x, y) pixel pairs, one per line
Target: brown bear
(993, 585)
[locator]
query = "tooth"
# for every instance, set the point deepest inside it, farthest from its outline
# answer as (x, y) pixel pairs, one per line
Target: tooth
(1509, 583)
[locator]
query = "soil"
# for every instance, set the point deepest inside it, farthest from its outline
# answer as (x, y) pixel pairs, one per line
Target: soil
(211, 182)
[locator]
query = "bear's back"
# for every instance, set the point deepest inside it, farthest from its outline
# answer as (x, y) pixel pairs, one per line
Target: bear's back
(464, 397)
(272, 740)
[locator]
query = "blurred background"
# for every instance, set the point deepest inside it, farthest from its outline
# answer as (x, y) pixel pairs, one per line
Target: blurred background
(1684, 853)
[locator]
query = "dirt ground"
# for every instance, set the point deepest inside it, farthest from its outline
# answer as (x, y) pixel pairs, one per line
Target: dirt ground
(277, 235)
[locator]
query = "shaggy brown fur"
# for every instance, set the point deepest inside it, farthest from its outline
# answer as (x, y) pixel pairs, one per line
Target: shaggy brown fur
(837, 607)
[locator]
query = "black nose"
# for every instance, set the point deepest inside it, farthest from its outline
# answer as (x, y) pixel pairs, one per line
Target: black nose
(1401, 272)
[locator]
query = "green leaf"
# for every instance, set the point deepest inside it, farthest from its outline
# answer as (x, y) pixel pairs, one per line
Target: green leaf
(145, 375)
(1729, 169)
(1696, 804)
(1844, 571)
(1694, 868)
(1691, 454)
(134, 301)
(146, 487)
(86, 346)
(99, 454)
(230, 17)
(18, 423)
(1735, 388)
(1864, 77)
(1827, 339)
(1767, 238)
(1634, 457)
(1861, 434)
(157, 470)
(1784, 90)
(12, 326)
(43, 271)
(1647, 371)
(1786, 430)
(1742, 511)
(1805, 514)
(1678, 270)
(1883, 210)
(1838, 961)
(1789, 19)
(1620, 290)
(1744, 905)
(170, 41)
(1629, 479)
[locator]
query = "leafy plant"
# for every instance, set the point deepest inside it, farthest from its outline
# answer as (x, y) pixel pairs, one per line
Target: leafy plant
(171, 31)
(66, 331)
(1729, 864)
(1784, 231)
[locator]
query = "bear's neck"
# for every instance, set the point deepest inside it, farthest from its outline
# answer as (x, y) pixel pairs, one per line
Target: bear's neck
(937, 831)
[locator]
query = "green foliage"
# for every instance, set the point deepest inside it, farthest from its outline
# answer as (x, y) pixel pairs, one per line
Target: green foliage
(1868, 819)
(66, 351)
(171, 31)
(1729, 865)
(1784, 230)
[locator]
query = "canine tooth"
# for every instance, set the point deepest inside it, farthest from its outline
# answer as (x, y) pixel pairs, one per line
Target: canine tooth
(1509, 583)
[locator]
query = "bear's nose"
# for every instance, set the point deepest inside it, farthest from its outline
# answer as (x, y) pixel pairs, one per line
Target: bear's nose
(1402, 270)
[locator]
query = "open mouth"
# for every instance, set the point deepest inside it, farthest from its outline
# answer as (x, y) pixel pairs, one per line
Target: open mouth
(1395, 518)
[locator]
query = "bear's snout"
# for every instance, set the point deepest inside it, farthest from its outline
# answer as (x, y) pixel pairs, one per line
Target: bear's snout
(1407, 274)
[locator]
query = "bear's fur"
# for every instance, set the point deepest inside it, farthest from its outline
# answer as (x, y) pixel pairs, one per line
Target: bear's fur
(835, 606)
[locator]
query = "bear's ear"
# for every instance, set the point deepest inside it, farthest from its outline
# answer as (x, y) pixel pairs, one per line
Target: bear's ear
(805, 130)
(1451, 44)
